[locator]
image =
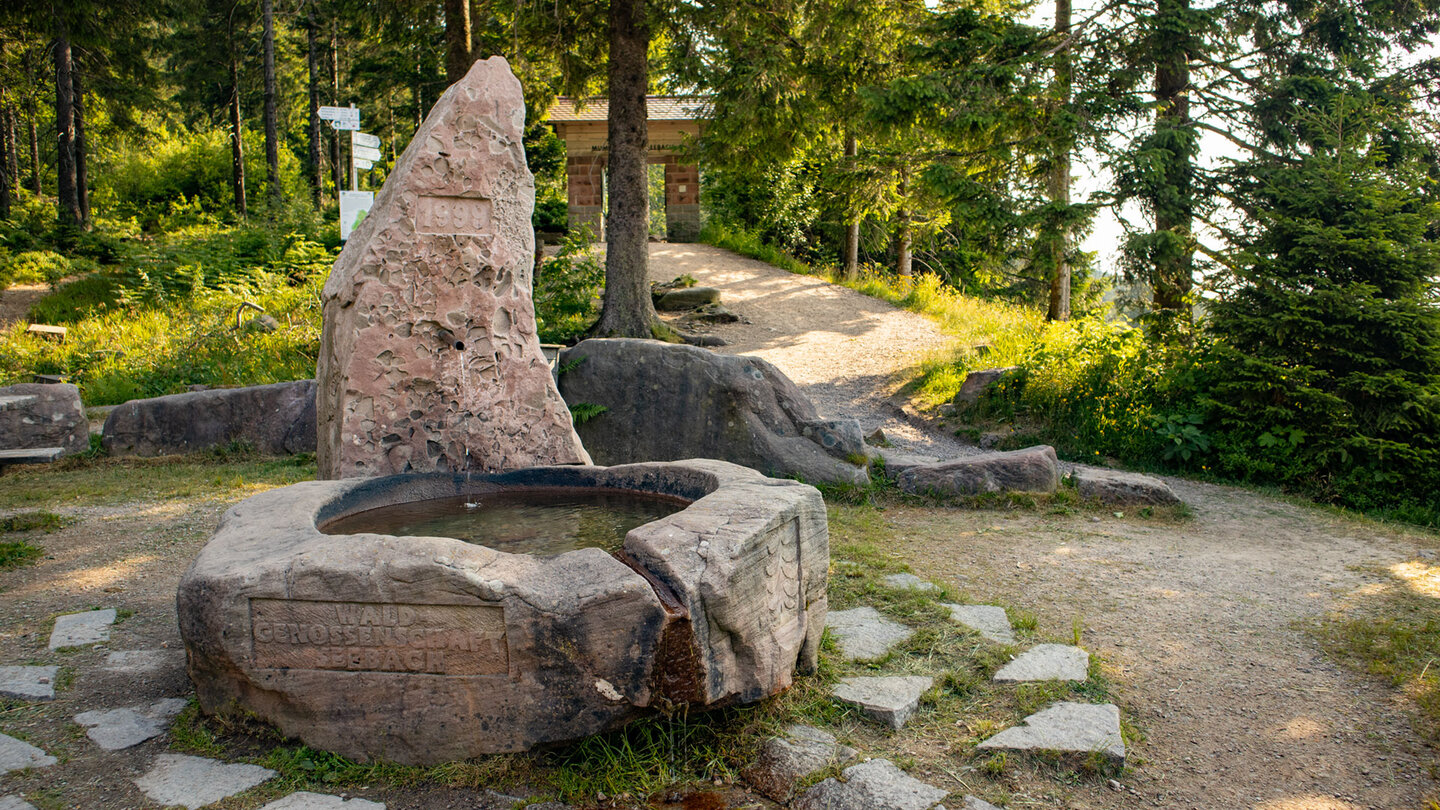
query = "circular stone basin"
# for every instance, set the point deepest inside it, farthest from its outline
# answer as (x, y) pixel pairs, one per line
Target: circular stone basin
(426, 649)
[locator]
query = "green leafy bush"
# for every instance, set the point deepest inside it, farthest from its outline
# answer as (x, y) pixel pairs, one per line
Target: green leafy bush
(567, 290)
(33, 267)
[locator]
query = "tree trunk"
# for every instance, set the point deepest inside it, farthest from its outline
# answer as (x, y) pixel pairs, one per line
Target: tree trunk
(903, 237)
(1059, 179)
(627, 310)
(68, 202)
(272, 130)
(35, 185)
(336, 169)
(457, 40)
(12, 148)
(1175, 213)
(312, 131)
(852, 218)
(237, 133)
(7, 173)
(82, 161)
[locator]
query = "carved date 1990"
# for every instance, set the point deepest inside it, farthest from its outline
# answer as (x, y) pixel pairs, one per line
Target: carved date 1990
(435, 639)
(443, 215)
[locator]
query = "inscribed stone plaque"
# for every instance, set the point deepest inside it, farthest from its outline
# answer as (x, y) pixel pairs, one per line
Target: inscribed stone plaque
(374, 637)
(458, 215)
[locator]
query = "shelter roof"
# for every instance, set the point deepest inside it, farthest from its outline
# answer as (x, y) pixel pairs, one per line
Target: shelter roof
(658, 108)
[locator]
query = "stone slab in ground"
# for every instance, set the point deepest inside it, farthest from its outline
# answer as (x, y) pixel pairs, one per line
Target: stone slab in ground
(890, 699)
(41, 415)
(28, 683)
(1122, 488)
(1067, 728)
(987, 620)
(137, 662)
(191, 782)
(304, 800)
(274, 419)
(17, 755)
(1047, 662)
(864, 634)
(122, 728)
(874, 785)
(909, 582)
(785, 761)
(79, 629)
(1034, 469)
(15, 803)
(976, 803)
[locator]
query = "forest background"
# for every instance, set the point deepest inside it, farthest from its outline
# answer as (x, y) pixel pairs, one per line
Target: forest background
(163, 167)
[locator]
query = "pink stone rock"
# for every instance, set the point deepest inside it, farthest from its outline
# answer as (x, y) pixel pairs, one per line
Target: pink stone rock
(429, 358)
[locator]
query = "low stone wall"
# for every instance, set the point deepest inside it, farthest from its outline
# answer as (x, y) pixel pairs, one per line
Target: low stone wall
(276, 419)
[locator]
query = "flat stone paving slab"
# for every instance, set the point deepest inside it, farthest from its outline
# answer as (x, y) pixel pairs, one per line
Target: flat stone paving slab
(305, 800)
(16, 755)
(873, 785)
(28, 683)
(909, 582)
(139, 662)
(192, 782)
(785, 761)
(1047, 662)
(976, 803)
(79, 629)
(864, 634)
(15, 803)
(891, 700)
(122, 728)
(1067, 728)
(987, 620)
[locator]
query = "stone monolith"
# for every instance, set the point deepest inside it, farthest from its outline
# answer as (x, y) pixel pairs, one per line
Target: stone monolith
(429, 360)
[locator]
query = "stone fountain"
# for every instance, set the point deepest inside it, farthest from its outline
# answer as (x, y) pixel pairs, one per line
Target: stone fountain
(423, 649)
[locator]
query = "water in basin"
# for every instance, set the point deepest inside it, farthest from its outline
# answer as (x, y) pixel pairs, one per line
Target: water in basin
(543, 522)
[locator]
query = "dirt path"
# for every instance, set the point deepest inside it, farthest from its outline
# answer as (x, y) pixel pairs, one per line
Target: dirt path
(1199, 624)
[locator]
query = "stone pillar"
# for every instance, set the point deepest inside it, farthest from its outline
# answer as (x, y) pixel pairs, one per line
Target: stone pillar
(585, 181)
(682, 201)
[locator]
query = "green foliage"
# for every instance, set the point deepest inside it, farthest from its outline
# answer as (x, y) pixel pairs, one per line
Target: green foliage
(567, 290)
(33, 521)
(18, 554)
(583, 412)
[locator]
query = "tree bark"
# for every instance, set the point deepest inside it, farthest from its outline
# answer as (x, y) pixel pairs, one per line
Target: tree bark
(852, 219)
(903, 236)
(1175, 214)
(35, 185)
(1059, 178)
(7, 172)
(68, 201)
(237, 132)
(457, 40)
(312, 131)
(627, 309)
(336, 169)
(82, 160)
(272, 130)
(12, 149)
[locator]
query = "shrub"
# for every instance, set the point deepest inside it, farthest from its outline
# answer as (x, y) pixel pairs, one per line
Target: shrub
(567, 290)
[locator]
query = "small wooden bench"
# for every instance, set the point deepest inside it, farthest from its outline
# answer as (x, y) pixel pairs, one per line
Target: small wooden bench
(29, 455)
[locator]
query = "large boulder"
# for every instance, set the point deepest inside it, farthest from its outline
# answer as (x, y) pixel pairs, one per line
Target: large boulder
(277, 419)
(1034, 469)
(977, 382)
(34, 415)
(1123, 488)
(664, 401)
(429, 358)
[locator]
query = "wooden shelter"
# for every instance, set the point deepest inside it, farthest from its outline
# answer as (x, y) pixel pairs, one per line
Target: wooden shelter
(584, 127)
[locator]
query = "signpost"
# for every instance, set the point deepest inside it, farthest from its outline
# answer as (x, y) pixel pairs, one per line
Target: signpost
(354, 205)
(358, 138)
(341, 117)
(365, 153)
(363, 165)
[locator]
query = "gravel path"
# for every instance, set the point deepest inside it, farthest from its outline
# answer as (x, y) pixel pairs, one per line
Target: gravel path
(845, 350)
(1199, 624)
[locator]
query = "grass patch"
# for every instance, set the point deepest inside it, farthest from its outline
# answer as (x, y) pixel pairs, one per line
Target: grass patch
(33, 521)
(18, 554)
(1392, 632)
(77, 482)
